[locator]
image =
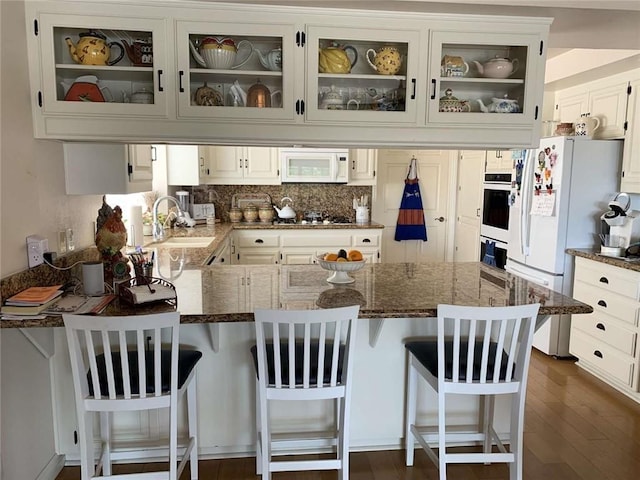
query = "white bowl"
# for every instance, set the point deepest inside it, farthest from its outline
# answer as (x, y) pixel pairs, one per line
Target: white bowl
(340, 269)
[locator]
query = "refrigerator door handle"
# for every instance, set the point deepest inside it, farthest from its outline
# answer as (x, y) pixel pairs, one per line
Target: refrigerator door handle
(527, 191)
(539, 280)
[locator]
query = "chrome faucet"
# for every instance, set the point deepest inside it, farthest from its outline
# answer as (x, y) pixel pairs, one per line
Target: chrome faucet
(157, 227)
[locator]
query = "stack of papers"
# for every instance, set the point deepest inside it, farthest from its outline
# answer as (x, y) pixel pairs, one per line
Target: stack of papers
(80, 305)
(32, 301)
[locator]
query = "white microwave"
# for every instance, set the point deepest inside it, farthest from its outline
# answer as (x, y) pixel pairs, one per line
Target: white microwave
(314, 165)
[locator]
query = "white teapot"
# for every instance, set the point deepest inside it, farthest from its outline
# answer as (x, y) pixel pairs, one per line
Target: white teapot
(286, 212)
(586, 125)
(500, 105)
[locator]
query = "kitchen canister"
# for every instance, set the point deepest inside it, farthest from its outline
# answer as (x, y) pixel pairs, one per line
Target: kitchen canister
(93, 278)
(362, 214)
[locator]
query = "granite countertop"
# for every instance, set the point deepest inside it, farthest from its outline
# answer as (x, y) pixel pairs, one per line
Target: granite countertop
(592, 254)
(212, 294)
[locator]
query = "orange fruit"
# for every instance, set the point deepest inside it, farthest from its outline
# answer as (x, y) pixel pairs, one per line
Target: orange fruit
(342, 259)
(354, 255)
(331, 257)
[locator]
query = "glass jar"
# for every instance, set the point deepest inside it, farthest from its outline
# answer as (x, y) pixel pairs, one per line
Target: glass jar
(235, 215)
(250, 213)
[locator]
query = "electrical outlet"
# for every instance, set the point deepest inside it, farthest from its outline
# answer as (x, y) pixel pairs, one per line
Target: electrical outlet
(36, 246)
(70, 241)
(62, 242)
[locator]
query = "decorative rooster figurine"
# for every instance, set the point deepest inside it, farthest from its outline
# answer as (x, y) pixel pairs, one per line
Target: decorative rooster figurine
(111, 234)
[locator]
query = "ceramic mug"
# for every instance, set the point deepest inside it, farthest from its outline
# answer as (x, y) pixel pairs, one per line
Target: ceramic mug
(353, 103)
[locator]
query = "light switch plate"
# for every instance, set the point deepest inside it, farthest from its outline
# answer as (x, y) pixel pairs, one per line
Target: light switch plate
(70, 242)
(62, 242)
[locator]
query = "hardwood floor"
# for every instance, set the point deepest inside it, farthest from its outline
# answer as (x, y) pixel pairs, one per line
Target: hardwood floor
(576, 427)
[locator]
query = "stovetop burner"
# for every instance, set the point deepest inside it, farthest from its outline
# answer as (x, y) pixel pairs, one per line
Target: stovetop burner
(285, 221)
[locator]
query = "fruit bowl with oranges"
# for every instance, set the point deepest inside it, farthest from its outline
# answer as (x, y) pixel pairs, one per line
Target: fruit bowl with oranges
(340, 263)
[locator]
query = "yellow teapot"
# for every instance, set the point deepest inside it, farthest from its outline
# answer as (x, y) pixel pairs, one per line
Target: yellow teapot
(334, 59)
(387, 60)
(92, 49)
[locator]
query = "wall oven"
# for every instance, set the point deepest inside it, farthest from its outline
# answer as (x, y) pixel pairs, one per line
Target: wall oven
(496, 190)
(499, 252)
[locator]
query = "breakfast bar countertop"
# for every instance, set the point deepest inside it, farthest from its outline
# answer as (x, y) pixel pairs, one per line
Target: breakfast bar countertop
(230, 293)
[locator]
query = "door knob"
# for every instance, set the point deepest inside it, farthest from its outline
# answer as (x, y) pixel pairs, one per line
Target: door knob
(439, 219)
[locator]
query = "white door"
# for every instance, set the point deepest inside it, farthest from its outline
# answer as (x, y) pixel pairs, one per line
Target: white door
(435, 168)
(468, 206)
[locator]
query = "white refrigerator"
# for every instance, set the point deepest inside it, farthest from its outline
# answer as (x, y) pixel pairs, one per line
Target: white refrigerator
(559, 192)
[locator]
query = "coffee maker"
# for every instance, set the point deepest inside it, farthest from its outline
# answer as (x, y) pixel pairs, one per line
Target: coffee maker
(620, 222)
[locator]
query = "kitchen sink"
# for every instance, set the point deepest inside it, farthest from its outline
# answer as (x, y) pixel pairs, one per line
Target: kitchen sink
(192, 242)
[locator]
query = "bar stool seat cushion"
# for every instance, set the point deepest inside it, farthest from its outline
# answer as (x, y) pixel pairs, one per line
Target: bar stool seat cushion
(426, 352)
(313, 361)
(187, 360)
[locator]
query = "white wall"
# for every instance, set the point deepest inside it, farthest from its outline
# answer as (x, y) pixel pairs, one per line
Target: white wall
(32, 194)
(32, 201)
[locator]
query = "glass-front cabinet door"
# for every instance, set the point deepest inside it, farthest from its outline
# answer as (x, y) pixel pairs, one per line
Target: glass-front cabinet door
(361, 75)
(95, 65)
(234, 70)
(483, 78)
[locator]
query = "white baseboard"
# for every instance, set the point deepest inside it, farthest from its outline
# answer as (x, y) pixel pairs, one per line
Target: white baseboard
(52, 469)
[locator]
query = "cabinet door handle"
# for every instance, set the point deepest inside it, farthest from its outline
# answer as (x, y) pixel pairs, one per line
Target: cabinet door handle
(297, 107)
(413, 95)
(604, 280)
(597, 353)
(353, 164)
(259, 240)
(478, 212)
(602, 303)
(246, 163)
(366, 240)
(302, 101)
(600, 326)
(160, 87)
(433, 95)
(240, 162)
(180, 75)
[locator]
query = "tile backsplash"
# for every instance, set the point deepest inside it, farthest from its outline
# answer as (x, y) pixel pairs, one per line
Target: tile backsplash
(328, 199)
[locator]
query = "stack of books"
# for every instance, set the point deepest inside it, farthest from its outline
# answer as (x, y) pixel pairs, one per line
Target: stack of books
(32, 301)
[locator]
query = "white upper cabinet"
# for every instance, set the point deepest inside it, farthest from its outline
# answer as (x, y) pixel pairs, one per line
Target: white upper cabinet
(362, 75)
(495, 78)
(107, 168)
(242, 165)
(631, 157)
(235, 70)
(95, 66)
(604, 99)
(279, 76)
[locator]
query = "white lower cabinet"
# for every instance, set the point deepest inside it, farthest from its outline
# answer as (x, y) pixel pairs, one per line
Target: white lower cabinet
(255, 247)
(606, 341)
(302, 247)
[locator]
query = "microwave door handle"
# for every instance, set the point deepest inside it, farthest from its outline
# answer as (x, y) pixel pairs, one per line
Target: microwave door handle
(334, 167)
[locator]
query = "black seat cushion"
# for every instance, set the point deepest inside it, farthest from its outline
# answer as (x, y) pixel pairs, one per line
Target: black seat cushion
(187, 360)
(299, 351)
(426, 352)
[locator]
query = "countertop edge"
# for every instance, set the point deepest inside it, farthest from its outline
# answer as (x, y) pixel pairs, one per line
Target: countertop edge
(591, 254)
